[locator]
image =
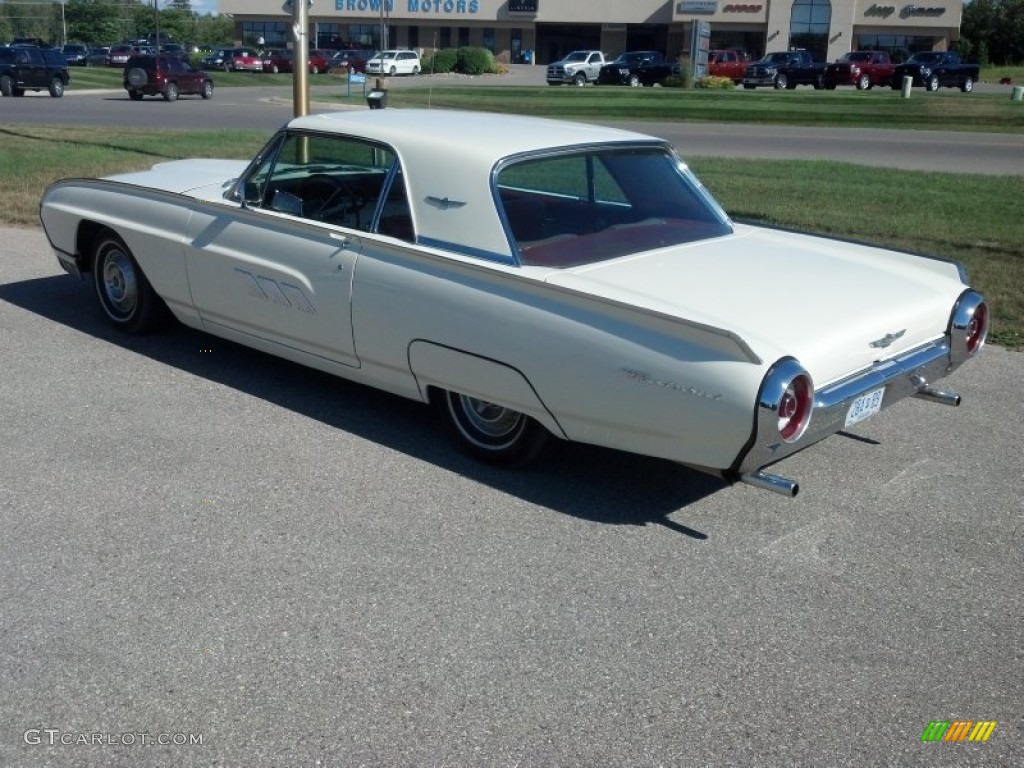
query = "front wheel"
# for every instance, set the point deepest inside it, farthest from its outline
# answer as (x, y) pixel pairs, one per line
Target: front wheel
(634, 81)
(393, 71)
(490, 432)
(967, 85)
(580, 79)
(863, 83)
(933, 83)
(781, 81)
(125, 295)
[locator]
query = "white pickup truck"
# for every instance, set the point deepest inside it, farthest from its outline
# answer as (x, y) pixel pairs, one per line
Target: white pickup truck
(578, 68)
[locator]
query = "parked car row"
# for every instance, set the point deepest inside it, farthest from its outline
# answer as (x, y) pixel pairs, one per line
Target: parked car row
(779, 70)
(278, 60)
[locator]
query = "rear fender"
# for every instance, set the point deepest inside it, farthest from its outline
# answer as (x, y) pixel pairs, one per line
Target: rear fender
(437, 366)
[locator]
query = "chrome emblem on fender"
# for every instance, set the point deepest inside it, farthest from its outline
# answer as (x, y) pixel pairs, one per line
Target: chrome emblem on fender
(887, 340)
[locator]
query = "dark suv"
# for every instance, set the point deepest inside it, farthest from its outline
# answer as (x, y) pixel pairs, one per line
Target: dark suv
(166, 76)
(27, 68)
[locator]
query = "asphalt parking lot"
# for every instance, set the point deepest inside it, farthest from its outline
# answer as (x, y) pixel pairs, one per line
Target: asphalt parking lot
(204, 543)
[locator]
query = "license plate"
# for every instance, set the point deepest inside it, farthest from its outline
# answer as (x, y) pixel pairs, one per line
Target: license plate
(865, 406)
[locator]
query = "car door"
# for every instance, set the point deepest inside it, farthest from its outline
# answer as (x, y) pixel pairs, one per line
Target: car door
(282, 267)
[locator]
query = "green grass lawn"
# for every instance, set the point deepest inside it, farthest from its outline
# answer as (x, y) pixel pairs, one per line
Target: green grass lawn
(847, 107)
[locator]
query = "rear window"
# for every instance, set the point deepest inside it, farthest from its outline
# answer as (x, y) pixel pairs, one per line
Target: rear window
(583, 207)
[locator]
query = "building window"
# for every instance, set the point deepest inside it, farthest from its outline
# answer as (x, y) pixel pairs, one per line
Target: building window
(489, 38)
(414, 37)
(366, 35)
(271, 34)
(463, 37)
(808, 26)
(517, 45)
(445, 37)
(900, 47)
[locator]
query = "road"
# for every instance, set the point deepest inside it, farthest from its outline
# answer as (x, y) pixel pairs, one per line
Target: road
(268, 108)
(203, 542)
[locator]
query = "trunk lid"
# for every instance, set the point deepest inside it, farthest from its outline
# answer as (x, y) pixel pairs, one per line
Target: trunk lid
(823, 301)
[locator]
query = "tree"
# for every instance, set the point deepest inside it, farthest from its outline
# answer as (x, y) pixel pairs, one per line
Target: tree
(993, 31)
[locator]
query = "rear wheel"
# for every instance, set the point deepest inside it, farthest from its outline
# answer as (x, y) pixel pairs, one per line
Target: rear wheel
(135, 95)
(125, 295)
(171, 92)
(207, 91)
(6, 86)
(490, 432)
(967, 85)
(56, 87)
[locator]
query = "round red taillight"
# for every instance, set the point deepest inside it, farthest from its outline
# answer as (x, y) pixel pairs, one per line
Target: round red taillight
(795, 408)
(977, 329)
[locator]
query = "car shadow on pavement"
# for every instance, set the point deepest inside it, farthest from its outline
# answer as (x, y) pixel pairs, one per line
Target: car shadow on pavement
(587, 482)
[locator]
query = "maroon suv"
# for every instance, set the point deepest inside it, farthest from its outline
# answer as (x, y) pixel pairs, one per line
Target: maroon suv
(166, 76)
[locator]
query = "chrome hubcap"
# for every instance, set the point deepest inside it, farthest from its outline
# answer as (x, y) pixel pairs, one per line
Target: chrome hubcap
(493, 421)
(119, 283)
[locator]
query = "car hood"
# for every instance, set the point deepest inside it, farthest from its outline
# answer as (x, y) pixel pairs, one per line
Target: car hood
(197, 178)
(820, 300)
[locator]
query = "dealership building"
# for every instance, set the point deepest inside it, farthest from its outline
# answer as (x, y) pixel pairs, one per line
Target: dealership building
(541, 31)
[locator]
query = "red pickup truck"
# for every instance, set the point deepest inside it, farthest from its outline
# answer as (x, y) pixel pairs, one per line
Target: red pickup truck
(860, 68)
(727, 63)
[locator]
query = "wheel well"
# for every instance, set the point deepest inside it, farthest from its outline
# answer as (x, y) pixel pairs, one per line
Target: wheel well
(88, 231)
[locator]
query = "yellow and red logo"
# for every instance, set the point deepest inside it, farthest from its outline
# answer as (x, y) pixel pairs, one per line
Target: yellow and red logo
(958, 730)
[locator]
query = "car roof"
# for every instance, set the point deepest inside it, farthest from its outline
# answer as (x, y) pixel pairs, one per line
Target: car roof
(434, 130)
(443, 163)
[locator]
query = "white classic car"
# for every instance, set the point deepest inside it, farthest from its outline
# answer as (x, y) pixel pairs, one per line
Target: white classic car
(529, 278)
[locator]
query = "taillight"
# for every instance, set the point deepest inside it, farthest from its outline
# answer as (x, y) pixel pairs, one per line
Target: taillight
(977, 329)
(968, 327)
(795, 408)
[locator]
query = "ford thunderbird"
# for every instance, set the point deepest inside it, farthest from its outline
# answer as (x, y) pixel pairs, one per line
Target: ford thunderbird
(529, 279)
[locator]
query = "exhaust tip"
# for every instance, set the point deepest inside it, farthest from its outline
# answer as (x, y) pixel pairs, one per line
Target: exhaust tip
(774, 483)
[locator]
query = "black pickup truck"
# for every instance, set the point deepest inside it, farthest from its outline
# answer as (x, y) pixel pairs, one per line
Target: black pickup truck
(785, 69)
(936, 69)
(27, 68)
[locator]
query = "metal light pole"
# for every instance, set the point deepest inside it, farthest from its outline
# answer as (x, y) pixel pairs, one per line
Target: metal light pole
(300, 58)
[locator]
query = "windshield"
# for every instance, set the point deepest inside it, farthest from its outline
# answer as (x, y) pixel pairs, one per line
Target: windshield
(857, 56)
(576, 56)
(926, 57)
(583, 207)
(633, 58)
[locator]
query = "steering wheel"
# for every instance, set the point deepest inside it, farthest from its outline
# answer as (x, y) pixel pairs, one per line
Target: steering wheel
(325, 197)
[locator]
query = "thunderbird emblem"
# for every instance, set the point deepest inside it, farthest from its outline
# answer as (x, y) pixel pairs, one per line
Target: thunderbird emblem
(887, 340)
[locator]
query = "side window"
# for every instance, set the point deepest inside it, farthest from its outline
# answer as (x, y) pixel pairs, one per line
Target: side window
(395, 218)
(334, 179)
